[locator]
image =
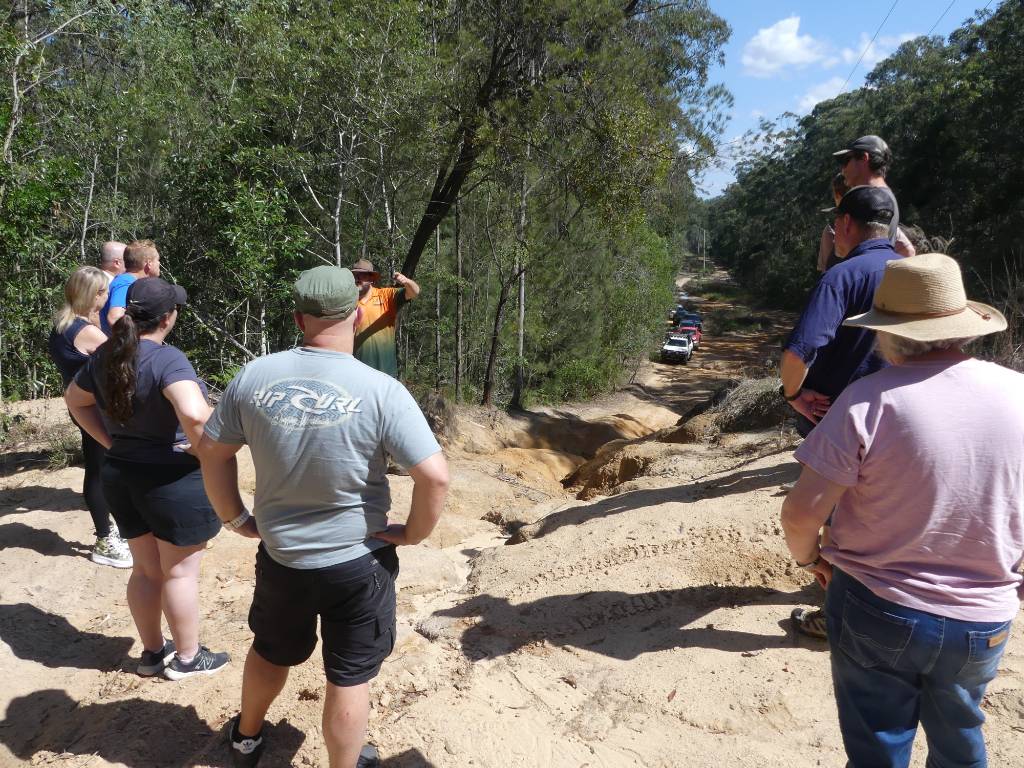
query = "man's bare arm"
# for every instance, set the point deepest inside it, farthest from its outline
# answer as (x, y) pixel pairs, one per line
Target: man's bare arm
(412, 288)
(113, 315)
(810, 404)
(220, 478)
(430, 487)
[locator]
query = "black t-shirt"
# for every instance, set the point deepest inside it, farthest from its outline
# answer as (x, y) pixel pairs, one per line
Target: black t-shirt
(152, 435)
(63, 352)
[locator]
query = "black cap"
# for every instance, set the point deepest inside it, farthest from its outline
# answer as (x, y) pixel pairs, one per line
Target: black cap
(866, 204)
(873, 145)
(151, 298)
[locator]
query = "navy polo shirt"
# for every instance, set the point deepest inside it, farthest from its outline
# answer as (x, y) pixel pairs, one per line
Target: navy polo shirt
(836, 354)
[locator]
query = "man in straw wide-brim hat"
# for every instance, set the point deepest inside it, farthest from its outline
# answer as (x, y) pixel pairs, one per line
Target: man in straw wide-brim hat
(922, 463)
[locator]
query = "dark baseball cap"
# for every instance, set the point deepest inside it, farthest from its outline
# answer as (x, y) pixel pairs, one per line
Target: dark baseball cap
(873, 145)
(326, 291)
(151, 298)
(866, 203)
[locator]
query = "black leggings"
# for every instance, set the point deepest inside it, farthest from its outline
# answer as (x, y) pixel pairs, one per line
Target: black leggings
(93, 487)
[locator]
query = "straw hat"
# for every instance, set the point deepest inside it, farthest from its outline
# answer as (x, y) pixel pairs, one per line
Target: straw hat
(922, 298)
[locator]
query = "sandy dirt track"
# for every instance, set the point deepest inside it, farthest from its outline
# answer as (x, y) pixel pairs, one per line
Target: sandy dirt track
(645, 627)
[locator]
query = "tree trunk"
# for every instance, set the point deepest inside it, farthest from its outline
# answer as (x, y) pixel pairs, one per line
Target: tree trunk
(458, 307)
(437, 310)
(492, 356)
(517, 386)
(336, 216)
(88, 205)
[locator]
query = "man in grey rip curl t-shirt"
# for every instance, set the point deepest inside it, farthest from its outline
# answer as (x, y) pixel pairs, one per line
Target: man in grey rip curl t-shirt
(318, 423)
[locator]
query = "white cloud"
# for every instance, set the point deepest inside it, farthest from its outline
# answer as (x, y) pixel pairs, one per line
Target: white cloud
(779, 46)
(757, 114)
(875, 51)
(820, 92)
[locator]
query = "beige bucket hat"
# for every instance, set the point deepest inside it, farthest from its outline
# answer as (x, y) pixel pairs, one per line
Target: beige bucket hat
(922, 298)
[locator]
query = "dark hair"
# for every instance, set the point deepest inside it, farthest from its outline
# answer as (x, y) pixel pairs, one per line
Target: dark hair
(839, 185)
(917, 238)
(879, 163)
(120, 356)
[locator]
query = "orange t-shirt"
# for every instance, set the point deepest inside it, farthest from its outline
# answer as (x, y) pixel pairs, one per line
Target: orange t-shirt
(375, 331)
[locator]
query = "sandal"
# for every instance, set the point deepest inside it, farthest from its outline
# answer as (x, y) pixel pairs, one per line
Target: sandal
(810, 623)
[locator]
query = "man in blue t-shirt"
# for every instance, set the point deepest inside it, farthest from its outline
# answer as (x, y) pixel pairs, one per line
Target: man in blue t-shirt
(141, 259)
(822, 356)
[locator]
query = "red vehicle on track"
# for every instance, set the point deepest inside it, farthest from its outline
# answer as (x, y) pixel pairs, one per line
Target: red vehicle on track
(693, 330)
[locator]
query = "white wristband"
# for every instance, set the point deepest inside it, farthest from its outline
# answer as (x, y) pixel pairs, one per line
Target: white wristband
(238, 522)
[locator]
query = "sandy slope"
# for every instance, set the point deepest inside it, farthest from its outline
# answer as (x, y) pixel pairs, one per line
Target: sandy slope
(649, 627)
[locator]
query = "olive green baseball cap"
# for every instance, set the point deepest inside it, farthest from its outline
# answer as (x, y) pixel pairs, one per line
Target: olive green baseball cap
(325, 291)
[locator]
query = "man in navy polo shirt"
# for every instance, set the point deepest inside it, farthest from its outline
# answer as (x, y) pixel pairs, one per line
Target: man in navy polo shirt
(821, 356)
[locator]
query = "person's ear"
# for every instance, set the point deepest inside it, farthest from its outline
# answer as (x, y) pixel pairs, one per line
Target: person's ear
(297, 316)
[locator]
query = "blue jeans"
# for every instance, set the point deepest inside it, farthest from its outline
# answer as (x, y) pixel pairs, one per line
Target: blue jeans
(893, 667)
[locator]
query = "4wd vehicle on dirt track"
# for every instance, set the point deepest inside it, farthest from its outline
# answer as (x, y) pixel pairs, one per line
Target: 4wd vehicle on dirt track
(687, 317)
(678, 347)
(689, 329)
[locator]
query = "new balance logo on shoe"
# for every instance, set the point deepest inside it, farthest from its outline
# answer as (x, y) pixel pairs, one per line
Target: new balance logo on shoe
(205, 662)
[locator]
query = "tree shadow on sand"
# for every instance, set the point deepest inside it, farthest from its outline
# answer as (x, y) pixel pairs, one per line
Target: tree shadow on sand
(51, 640)
(135, 732)
(743, 481)
(617, 624)
(39, 497)
(43, 541)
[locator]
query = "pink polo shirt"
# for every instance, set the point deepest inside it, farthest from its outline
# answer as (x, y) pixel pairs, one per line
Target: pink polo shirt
(933, 456)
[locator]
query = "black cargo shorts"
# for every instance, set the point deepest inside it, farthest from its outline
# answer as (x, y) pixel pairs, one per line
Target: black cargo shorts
(355, 602)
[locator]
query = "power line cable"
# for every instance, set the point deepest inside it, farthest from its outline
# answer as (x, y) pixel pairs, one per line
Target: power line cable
(868, 46)
(941, 18)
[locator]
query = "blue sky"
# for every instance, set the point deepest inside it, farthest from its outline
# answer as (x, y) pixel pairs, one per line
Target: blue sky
(789, 55)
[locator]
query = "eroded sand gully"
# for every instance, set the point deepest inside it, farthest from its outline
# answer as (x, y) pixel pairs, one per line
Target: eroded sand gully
(647, 626)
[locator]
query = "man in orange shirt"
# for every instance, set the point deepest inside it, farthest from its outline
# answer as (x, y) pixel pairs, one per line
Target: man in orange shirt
(375, 328)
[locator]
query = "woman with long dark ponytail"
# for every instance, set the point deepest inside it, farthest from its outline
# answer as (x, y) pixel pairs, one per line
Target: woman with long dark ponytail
(141, 399)
(76, 335)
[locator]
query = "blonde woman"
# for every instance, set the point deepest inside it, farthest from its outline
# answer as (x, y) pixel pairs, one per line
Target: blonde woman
(75, 336)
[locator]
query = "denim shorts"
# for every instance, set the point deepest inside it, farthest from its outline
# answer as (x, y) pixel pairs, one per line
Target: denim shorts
(354, 600)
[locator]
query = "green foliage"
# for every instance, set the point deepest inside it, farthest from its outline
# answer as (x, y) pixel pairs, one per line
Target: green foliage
(951, 112)
(255, 138)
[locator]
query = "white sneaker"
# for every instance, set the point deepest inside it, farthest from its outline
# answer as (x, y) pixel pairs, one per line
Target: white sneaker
(112, 550)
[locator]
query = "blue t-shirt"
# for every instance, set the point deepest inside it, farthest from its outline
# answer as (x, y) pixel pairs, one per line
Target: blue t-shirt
(117, 296)
(152, 435)
(837, 354)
